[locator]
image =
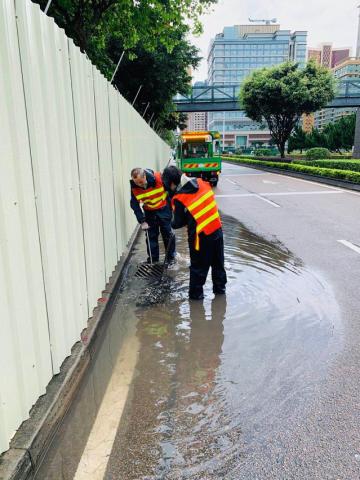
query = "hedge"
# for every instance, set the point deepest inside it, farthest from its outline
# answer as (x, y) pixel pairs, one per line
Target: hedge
(317, 153)
(347, 175)
(353, 165)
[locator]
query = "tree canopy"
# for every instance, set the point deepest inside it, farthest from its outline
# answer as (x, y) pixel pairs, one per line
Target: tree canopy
(335, 136)
(153, 35)
(281, 94)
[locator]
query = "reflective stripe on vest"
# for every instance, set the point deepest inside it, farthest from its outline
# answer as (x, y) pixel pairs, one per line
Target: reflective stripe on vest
(152, 198)
(203, 208)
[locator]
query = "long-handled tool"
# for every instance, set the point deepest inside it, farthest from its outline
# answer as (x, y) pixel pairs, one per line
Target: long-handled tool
(154, 270)
(148, 243)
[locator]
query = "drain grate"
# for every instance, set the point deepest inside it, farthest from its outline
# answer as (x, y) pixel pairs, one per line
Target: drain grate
(147, 270)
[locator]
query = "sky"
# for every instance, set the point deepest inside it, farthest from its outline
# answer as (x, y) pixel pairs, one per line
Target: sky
(325, 21)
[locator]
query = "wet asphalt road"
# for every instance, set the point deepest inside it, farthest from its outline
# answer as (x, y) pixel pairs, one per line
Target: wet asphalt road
(259, 384)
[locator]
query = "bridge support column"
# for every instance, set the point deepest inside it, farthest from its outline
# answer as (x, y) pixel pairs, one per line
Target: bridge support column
(356, 152)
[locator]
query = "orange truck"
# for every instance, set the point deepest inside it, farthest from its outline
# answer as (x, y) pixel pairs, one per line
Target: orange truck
(198, 155)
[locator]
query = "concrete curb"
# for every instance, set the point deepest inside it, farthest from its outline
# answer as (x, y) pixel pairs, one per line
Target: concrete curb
(316, 178)
(34, 436)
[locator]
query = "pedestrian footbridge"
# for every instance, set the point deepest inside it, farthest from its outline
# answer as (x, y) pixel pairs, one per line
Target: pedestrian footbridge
(212, 98)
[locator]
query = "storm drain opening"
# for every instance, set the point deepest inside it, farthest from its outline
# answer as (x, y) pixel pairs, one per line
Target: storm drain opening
(147, 270)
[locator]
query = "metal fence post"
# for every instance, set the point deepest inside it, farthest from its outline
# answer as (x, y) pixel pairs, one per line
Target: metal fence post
(136, 95)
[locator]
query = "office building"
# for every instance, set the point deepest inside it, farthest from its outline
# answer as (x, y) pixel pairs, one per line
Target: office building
(197, 121)
(233, 55)
(347, 69)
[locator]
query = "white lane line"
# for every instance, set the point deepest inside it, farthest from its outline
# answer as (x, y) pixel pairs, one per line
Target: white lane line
(267, 201)
(97, 451)
(320, 192)
(277, 194)
(230, 195)
(230, 181)
(350, 245)
(256, 195)
(351, 192)
(319, 184)
(270, 182)
(242, 174)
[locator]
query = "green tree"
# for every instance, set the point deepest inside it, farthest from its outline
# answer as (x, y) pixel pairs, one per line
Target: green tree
(145, 22)
(161, 75)
(316, 139)
(297, 140)
(340, 134)
(153, 36)
(281, 94)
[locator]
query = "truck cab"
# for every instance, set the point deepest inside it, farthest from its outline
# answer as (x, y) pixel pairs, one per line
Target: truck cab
(199, 155)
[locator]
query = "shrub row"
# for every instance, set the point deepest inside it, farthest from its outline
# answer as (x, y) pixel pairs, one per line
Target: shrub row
(317, 153)
(353, 165)
(347, 175)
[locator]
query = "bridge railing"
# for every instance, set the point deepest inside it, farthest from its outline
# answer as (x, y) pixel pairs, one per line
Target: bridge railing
(212, 94)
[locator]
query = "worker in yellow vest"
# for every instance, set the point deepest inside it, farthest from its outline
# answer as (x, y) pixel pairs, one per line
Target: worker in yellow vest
(151, 207)
(194, 206)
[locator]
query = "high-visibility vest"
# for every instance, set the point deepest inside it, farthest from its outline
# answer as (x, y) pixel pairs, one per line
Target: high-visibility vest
(152, 198)
(202, 206)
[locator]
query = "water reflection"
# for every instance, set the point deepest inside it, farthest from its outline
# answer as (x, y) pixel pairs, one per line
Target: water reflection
(218, 379)
(219, 383)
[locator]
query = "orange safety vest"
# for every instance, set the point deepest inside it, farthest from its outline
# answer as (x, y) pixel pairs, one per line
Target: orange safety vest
(152, 198)
(203, 208)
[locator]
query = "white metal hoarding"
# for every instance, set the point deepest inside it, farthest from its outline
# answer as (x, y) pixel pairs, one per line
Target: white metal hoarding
(25, 361)
(68, 141)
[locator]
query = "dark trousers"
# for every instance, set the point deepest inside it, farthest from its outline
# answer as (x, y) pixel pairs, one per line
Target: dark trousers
(211, 254)
(159, 222)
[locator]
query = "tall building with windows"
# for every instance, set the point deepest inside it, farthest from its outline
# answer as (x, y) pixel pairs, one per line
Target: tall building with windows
(233, 55)
(330, 57)
(347, 69)
(197, 121)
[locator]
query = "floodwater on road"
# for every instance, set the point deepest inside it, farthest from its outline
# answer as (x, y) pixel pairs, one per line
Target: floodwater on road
(214, 388)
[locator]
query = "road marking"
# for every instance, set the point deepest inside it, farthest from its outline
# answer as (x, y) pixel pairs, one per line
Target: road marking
(333, 187)
(267, 201)
(276, 194)
(235, 195)
(270, 182)
(230, 181)
(320, 184)
(350, 245)
(98, 448)
(242, 174)
(319, 192)
(343, 190)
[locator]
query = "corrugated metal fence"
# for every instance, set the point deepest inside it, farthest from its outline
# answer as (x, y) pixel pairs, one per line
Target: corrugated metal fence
(68, 141)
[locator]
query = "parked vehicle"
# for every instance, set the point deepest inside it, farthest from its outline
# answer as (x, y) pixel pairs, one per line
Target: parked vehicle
(199, 155)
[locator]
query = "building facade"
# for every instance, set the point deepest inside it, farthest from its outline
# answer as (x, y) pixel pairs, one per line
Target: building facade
(197, 121)
(328, 56)
(347, 69)
(233, 55)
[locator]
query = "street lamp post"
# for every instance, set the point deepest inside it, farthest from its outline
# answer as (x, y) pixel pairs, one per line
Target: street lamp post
(358, 37)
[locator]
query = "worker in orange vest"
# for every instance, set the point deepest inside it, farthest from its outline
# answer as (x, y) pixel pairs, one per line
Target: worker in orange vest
(151, 207)
(194, 206)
